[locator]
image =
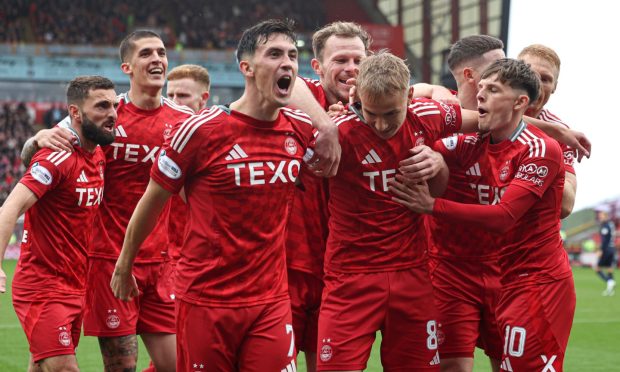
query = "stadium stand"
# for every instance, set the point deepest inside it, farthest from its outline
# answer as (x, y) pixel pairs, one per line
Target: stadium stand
(15, 128)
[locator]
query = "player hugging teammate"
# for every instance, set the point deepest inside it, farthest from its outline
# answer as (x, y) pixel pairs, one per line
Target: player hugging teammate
(442, 242)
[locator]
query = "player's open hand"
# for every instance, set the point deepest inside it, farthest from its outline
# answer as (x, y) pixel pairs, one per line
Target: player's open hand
(579, 141)
(124, 284)
(415, 197)
(2, 281)
(57, 139)
(422, 165)
(324, 162)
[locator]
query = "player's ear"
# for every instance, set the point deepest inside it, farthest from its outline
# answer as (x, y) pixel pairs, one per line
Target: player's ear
(468, 74)
(316, 66)
(521, 102)
(126, 68)
(74, 112)
(246, 68)
(410, 93)
(205, 97)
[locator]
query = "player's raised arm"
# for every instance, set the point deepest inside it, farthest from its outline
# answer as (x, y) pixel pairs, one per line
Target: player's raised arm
(141, 224)
(17, 203)
(567, 136)
(327, 149)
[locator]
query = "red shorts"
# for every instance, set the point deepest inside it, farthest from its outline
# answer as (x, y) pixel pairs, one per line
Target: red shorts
(356, 306)
(254, 339)
(466, 295)
(52, 321)
(106, 316)
(305, 291)
(536, 321)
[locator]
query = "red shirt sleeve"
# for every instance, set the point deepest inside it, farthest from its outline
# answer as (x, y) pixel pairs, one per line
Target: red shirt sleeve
(437, 118)
(47, 170)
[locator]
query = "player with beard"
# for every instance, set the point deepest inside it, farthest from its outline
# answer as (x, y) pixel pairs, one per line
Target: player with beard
(60, 193)
(522, 170)
(238, 165)
(145, 120)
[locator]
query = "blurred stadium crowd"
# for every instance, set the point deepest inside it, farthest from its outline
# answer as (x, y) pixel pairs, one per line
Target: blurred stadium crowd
(183, 23)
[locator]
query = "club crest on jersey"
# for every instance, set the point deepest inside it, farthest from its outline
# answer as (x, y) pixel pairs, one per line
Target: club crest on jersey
(504, 172)
(290, 146)
(419, 141)
(326, 350)
(63, 337)
(168, 167)
(112, 321)
(450, 117)
(41, 174)
(167, 131)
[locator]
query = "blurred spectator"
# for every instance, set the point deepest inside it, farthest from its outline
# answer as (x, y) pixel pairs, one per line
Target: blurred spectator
(182, 24)
(15, 129)
(55, 115)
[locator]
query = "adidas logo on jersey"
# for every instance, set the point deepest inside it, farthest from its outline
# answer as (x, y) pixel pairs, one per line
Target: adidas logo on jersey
(506, 365)
(435, 360)
(474, 170)
(371, 158)
(236, 153)
(82, 177)
(120, 132)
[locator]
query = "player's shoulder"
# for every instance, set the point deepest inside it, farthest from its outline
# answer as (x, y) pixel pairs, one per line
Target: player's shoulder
(175, 108)
(424, 106)
(310, 81)
(535, 142)
(196, 125)
(548, 116)
(296, 116)
(347, 122)
(462, 140)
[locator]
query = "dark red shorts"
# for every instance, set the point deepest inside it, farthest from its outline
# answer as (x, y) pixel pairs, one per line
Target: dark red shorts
(536, 321)
(107, 316)
(253, 339)
(305, 291)
(466, 295)
(52, 321)
(399, 304)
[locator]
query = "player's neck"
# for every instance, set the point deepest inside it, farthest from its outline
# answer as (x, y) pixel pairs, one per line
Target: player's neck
(254, 107)
(145, 99)
(506, 131)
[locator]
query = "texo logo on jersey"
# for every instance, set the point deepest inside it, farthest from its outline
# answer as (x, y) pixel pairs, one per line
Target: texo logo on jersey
(285, 171)
(488, 195)
(383, 176)
(89, 196)
(133, 152)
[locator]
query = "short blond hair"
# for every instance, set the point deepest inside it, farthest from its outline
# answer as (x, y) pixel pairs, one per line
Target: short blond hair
(382, 74)
(340, 29)
(543, 52)
(194, 72)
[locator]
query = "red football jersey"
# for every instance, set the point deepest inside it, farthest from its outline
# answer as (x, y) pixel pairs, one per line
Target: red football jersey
(306, 232)
(467, 184)
(238, 174)
(570, 154)
(531, 251)
(58, 227)
(368, 232)
(139, 137)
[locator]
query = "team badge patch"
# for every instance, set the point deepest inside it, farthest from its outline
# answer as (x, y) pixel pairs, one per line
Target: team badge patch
(450, 142)
(168, 167)
(41, 174)
(326, 350)
(63, 336)
(113, 321)
(504, 172)
(290, 146)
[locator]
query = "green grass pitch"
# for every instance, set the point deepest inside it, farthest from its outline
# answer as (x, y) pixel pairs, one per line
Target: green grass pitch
(593, 346)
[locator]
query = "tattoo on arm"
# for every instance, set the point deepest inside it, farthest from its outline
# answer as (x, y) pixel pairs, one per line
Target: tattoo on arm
(28, 151)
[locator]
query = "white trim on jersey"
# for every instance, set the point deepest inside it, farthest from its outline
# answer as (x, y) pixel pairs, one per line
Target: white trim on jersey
(187, 129)
(313, 81)
(178, 107)
(425, 108)
(57, 158)
(341, 119)
(546, 115)
(537, 145)
(296, 114)
(371, 158)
